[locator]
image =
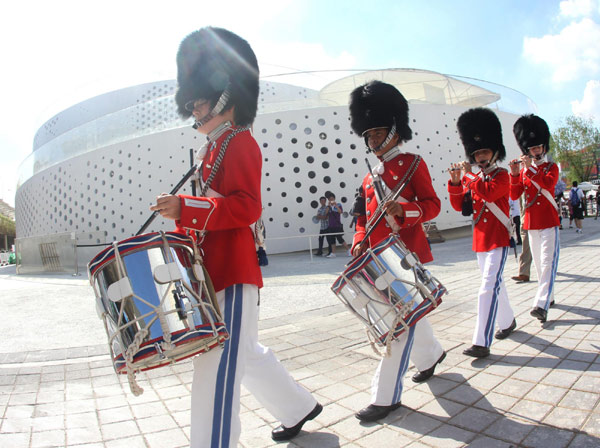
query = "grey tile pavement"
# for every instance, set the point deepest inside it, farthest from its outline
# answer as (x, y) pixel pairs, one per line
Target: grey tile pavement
(539, 388)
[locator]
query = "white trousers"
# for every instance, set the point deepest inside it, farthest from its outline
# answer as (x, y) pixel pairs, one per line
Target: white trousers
(492, 304)
(218, 375)
(420, 346)
(545, 248)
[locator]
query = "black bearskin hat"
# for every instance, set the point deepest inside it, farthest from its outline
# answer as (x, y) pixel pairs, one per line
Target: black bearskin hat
(479, 128)
(209, 61)
(531, 130)
(377, 105)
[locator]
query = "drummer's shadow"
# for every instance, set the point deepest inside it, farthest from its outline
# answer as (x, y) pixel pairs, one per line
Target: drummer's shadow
(466, 410)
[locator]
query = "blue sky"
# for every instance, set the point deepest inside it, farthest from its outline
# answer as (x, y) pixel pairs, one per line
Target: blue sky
(61, 52)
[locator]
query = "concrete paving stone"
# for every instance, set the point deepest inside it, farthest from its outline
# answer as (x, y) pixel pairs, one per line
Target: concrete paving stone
(528, 409)
(579, 400)
(449, 436)
(587, 383)
(114, 414)
(19, 411)
(352, 429)
(415, 399)
(261, 438)
(336, 392)
(317, 382)
(571, 419)
(561, 378)
(546, 394)
(486, 381)
(413, 424)
(173, 438)
(178, 404)
(531, 374)
(488, 442)
(250, 421)
(16, 424)
(384, 437)
(334, 413)
(441, 409)
(176, 391)
(585, 441)
(22, 399)
(356, 401)
(108, 391)
(547, 436)
(127, 442)
(75, 406)
(493, 402)
(149, 396)
(53, 376)
(438, 385)
(515, 388)
(152, 409)
(82, 420)
(48, 423)
(50, 409)
(84, 435)
(11, 440)
(156, 423)
(47, 439)
(119, 430)
(474, 419)
(58, 385)
(592, 426)
(510, 429)
(464, 394)
(182, 418)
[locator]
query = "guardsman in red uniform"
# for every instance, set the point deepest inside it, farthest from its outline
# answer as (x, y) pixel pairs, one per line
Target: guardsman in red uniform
(481, 136)
(379, 113)
(536, 179)
(218, 84)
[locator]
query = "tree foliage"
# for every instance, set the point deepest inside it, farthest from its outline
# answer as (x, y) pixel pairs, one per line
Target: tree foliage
(576, 144)
(7, 226)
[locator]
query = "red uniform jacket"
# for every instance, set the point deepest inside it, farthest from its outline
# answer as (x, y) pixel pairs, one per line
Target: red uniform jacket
(541, 214)
(418, 199)
(228, 246)
(488, 232)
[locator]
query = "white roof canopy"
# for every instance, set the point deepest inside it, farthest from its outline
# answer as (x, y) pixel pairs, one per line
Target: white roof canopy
(417, 86)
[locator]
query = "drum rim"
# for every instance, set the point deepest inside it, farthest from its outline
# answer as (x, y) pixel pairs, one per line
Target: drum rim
(147, 240)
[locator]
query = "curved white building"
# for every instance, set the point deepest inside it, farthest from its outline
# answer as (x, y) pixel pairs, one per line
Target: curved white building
(97, 166)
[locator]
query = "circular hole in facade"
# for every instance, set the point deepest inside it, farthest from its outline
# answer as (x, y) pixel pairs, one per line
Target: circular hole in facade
(325, 164)
(322, 136)
(296, 170)
(309, 145)
(321, 121)
(314, 204)
(293, 126)
(295, 155)
(301, 229)
(299, 199)
(294, 140)
(313, 189)
(310, 159)
(286, 224)
(311, 174)
(324, 150)
(327, 179)
(307, 131)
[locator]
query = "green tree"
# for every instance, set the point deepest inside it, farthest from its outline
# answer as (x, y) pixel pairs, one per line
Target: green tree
(576, 143)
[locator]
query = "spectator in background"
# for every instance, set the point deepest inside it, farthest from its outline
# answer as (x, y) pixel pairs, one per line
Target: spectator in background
(323, 219)
(576, 200)
(515, 214)
(358, 207)
(597, 203)
(335, 225)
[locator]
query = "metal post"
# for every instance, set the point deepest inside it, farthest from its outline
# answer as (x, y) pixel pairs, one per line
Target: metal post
(310, 248)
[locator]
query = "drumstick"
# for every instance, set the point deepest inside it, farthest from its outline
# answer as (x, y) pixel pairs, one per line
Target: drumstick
(173, 191)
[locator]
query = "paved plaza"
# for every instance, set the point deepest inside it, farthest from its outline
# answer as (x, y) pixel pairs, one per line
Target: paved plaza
(538, 388)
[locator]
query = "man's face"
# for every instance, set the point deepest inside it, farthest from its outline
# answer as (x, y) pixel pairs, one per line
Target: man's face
(376, 137)
(323, 201)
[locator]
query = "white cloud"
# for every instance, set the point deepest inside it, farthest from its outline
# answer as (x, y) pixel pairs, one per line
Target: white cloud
(589, 106)
(578, 8)
(571, 54)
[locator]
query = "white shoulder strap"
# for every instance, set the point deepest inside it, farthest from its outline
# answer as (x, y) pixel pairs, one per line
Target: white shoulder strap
(546, 194)
(504, 219)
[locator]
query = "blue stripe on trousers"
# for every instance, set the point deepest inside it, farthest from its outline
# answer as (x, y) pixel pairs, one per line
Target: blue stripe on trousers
(555, 256)
(489, 326)
(221, 430)
(403, 365)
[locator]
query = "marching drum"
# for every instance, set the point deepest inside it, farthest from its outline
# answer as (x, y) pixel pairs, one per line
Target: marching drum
(157, 302)
(388, 289)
